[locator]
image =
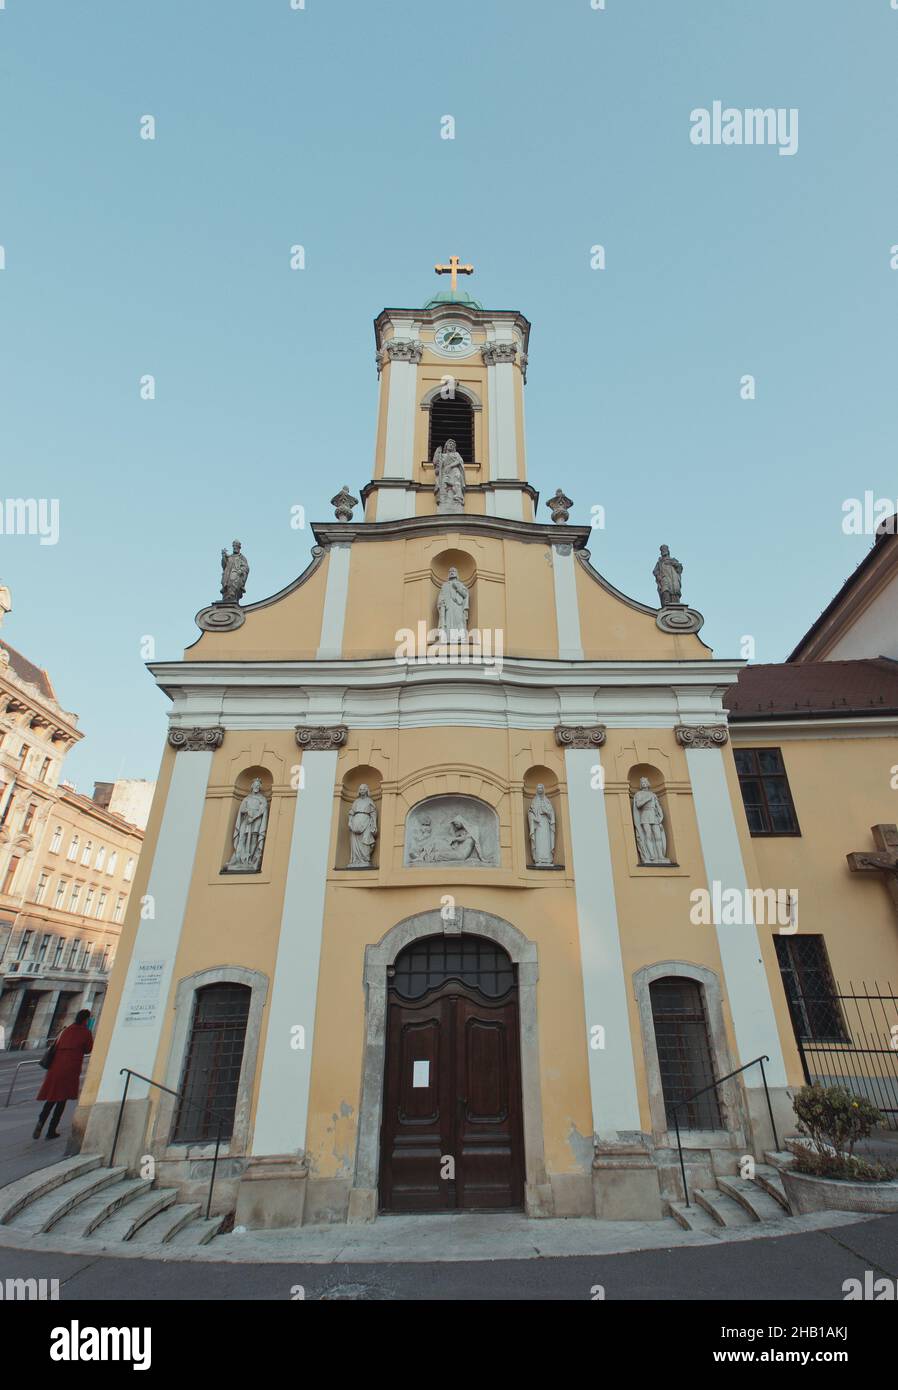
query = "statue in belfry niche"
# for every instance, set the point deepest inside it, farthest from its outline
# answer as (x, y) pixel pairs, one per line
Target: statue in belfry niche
(541, 820)
(362, 829)
(234, 571)
(449, 478)
(453, 607)
(667, 573)
(249, 832)
(648, 821)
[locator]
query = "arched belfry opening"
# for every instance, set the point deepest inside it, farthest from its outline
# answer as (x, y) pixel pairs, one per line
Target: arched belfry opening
(452, 418)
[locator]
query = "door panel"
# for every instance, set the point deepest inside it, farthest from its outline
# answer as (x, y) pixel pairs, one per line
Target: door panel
(466, 1104)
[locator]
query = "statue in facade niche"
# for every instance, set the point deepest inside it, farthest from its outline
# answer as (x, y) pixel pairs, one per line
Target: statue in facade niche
(249, 832)
(449, 478)
(648, 820)
(541, 820)
(234, 572)
(667, 573)
(362, 829)
(453, 607)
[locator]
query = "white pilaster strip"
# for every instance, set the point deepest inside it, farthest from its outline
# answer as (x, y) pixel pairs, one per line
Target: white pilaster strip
(746, 981)
(156, 944)
(612, 1075)
(400, 441)
(509, 502)
(505, 464)
(493, 418)
(335, 596)
(394, 503)
(283, 1107)
(567, 609)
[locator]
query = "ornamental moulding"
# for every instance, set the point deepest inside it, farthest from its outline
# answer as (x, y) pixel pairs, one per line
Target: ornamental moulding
(580, 735)
(498, 352)
(701, 735)
(196, 740)
(322, 738)
(220, 617)
(676, 617)
(403, 350)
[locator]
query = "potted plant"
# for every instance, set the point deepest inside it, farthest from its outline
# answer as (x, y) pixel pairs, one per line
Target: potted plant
(827, 1175)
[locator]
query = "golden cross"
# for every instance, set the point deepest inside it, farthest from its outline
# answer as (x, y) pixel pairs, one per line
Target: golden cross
(454, 269)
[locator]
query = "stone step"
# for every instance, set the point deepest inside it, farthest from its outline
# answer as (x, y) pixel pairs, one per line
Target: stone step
(758, 1204)
(82, 1219)
(198, 1232)
(725, 1210)
(779, 1158)
(130, 1218)
(42, 1214)
(769, 1178)
(693, 1217)
(18, 1194)
(160, 1229)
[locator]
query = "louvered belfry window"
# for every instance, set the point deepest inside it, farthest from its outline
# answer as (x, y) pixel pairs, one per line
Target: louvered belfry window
(684, 1052)
(452, 419)
(214, 1058)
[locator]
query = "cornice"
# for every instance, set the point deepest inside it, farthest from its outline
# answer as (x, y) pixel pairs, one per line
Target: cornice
(477, 317)
(530, 532)
(859, 590)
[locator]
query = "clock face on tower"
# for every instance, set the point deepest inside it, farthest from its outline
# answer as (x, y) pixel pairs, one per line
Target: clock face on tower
(453, 339)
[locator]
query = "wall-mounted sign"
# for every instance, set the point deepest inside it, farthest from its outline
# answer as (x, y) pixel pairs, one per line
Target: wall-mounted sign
(142, 1006)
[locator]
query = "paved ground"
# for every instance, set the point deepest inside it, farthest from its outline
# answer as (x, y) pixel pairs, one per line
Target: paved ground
(810, 1266)
(19, 1153)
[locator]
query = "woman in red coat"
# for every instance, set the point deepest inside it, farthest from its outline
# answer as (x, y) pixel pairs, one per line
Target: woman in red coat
(64, 1073)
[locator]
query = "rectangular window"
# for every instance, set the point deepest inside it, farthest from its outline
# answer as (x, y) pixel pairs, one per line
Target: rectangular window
(88, 849)
(104, 963)
(44, 946)
(45, 768)
(119, 908)
(684, 1054)
(28, 818)
(810, 989)
(41, 891)
(101, 903)
(56, 841)
(73, 952)
(76, 894)
(765, 791)
(100, 859)
(88, 901)
(23, 755)
(88, 952)
(111, 862)
(60, 893)
(11, 868)
(57, 954)
(129, 870)
(73, 849)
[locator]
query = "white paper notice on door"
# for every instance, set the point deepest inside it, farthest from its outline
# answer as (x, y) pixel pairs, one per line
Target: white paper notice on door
(420, 1074)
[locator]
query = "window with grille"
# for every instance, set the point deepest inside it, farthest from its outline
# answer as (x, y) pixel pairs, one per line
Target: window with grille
(684, 1052)
(810, 989)
(452, 419)
(212, 1067)
(426, 964)
(769, 809)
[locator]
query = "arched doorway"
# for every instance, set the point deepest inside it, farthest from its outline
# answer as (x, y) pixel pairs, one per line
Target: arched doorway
(452, 1134)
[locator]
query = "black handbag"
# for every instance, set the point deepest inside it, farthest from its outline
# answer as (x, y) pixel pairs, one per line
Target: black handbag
(47, 1060)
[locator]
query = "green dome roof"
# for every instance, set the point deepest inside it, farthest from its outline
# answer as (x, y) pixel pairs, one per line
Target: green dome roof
(453, 297)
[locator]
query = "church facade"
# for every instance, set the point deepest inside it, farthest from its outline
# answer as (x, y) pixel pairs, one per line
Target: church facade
(439, 907)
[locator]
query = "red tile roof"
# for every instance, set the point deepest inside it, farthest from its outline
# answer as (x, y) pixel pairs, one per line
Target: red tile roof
(814, 689)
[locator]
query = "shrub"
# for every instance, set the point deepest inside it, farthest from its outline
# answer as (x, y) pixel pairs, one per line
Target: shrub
(834, 1120)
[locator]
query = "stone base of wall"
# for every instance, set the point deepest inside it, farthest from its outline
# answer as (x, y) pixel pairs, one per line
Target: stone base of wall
(625, 1180)
(271, 1193)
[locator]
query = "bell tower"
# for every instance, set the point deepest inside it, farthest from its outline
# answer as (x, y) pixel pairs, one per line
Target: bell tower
(451, 373)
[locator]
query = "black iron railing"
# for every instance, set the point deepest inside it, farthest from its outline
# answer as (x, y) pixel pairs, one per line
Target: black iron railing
(687, 1100)
(206, 1110)
(851, 1040)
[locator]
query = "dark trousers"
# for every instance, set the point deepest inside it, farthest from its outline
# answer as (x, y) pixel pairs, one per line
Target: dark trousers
(57, 1106)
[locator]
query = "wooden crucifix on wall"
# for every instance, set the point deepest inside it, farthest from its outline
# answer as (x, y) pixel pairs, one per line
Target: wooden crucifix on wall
(884, 860)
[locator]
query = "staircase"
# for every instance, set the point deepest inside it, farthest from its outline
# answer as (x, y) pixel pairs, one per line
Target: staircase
(738, 1201)
(81, 1199)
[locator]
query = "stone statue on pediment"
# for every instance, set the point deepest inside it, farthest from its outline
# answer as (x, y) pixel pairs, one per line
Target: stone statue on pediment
(234, 573)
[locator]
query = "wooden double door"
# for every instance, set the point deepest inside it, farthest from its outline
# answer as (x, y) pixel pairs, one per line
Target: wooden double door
(452, 1134)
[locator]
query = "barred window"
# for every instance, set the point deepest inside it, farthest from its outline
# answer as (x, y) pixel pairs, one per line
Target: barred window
(810, 989)
(684, 1052)
(474, 960)
(212, 1068)
(769, 808)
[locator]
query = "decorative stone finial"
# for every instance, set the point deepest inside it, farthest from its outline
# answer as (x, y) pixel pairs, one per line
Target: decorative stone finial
(560, 507)
(343, 504)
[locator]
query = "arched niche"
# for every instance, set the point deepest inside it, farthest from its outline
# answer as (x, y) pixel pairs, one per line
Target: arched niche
(243, 787)
(647, 844)
(356, 778)
(535, 777)
(452, 831)
(465, 566)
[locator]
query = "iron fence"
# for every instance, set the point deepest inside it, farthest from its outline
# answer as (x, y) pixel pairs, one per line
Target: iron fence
(851, 1040)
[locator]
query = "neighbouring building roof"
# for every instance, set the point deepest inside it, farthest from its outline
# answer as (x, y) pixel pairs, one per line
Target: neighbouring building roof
(27, 671)
(837, 615)
(815, 689)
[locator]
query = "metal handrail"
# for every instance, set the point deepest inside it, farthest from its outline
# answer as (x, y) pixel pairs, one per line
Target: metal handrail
(204, 1109)
(29, 1062)
(687, 1100)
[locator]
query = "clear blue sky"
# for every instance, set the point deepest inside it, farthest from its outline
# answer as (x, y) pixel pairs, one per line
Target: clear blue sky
(322, 127)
